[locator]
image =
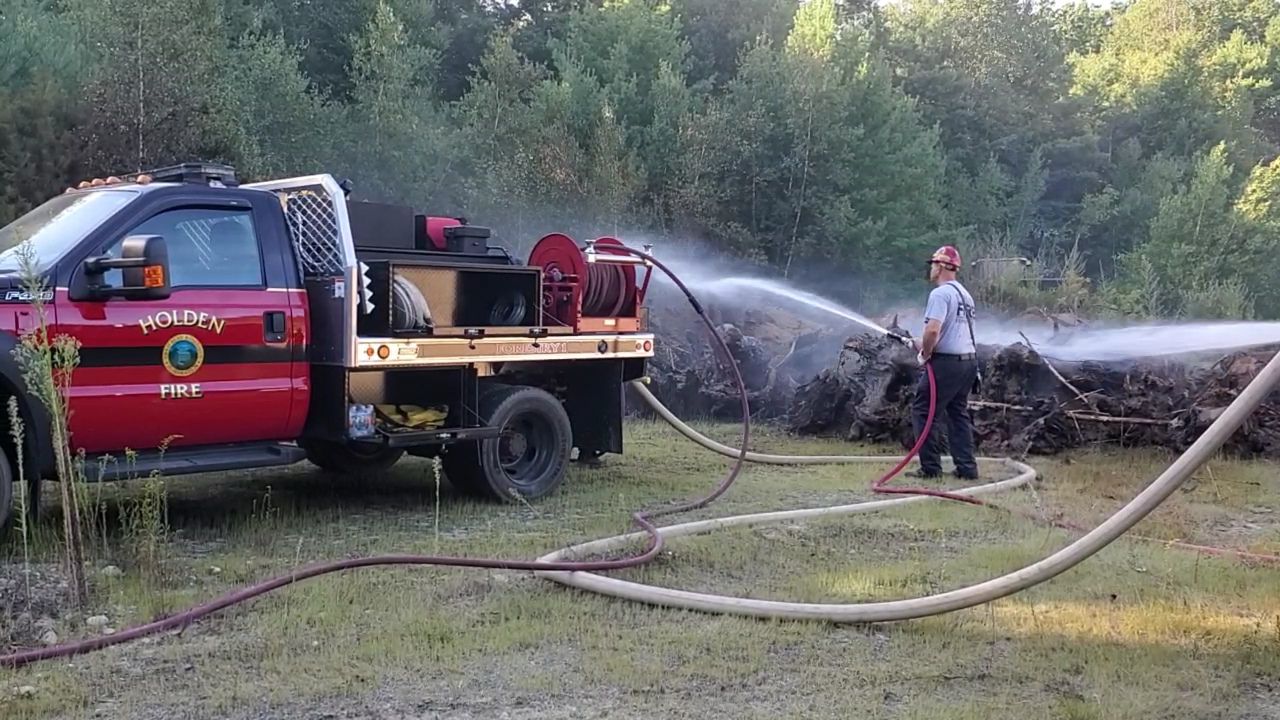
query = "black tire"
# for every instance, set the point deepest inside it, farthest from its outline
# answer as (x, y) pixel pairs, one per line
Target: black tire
(528, 461)
(6, 494)
(351, 459)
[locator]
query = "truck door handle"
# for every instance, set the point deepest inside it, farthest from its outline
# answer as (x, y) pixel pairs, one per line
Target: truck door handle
(273, 326)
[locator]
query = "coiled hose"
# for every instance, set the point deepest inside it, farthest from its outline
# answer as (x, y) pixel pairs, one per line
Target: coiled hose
(606, 290)
(409, 308)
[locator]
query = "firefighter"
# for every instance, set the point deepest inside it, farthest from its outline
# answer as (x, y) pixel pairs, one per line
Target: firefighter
(948, 344)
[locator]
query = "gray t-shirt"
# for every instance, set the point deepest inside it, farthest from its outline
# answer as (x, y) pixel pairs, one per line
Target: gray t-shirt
(952, 304)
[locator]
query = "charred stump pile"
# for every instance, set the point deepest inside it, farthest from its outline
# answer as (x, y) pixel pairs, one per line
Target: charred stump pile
(1030, 405)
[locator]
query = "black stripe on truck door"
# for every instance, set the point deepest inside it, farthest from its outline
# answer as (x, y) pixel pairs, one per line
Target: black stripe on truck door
(213, 355)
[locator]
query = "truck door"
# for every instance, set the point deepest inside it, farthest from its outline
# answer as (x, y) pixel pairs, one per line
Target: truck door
(211, 364)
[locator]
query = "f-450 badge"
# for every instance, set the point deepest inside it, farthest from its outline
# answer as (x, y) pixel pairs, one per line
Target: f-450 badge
(27, 296)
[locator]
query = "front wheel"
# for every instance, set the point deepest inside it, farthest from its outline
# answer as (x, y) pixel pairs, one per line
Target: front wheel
(527, 461)
(6, 494)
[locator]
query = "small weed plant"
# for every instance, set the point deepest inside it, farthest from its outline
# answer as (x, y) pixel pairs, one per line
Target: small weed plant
(47, 363)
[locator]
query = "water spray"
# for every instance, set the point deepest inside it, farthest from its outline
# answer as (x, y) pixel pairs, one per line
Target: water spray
(1085, 344)
(801, 297)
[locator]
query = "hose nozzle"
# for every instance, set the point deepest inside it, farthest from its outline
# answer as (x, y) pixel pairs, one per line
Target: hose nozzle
(908, 342)
(905, 340)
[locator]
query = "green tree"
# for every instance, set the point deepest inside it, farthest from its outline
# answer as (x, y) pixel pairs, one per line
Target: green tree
(991, 75)
(42, 66)
(495, 115)
(814, 31)
(400, 145)
(1212, 240)
(1178, 76)
(321, 30)
(37, 43)
(460, 29)
(720, 32)
(1120, 213)
(622, 47)
(987, 73)
(275, 123)
(829, 163)
(40, 145)
(1082, 26)
(156, 77)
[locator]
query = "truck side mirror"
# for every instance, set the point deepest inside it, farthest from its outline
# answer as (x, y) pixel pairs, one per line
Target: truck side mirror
(144, 265)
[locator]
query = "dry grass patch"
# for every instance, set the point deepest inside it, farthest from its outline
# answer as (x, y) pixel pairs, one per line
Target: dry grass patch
(1138, 631)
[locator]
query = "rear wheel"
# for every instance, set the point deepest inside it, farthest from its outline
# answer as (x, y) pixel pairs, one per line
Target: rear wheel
(527, 461)
(352, 458)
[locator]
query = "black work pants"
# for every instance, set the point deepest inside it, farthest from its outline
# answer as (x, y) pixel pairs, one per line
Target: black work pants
(954, 378)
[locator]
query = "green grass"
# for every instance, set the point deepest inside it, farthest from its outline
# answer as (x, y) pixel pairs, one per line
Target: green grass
(1138, 631)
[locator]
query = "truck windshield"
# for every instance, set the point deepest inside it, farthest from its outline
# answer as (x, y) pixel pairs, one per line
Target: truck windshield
(58, 225)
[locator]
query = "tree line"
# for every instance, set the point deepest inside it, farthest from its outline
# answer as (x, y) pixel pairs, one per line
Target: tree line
(1129, 152)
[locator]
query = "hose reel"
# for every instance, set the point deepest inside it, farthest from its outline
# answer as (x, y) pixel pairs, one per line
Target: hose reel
(591, 289)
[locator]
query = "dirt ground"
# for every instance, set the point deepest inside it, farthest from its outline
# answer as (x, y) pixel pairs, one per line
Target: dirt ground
(1139, 631)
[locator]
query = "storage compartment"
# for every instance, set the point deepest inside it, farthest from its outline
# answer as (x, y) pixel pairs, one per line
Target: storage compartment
(413, 299)
(416, 409)
(327, 315)
(430, 231)
(497, 299)
(378, 225)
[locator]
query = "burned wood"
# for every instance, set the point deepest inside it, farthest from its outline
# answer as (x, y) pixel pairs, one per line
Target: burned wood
(1090, 417)
(1054, 370)
(999, 405)
(1025, 402)
(774, 352)
(1073, 414)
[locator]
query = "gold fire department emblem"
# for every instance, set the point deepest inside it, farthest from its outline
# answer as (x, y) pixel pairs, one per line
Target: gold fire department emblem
(183, 355)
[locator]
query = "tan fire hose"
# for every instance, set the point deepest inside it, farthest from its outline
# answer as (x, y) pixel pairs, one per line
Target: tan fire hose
(1111, 529)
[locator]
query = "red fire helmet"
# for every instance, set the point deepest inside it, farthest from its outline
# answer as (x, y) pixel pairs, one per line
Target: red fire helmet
(947, 255)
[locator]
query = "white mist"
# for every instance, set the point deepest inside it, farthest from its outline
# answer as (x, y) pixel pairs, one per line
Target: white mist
(719, 281)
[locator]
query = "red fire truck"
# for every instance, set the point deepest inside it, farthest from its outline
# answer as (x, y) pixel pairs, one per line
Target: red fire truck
(264, 324)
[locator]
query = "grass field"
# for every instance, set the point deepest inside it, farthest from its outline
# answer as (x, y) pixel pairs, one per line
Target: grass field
(1139, 631)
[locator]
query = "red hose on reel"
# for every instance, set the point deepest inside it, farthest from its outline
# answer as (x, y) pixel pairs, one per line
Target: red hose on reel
(606, 290)
(575, 288)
